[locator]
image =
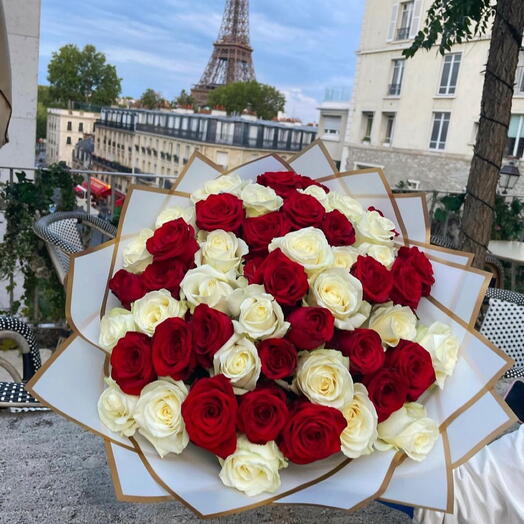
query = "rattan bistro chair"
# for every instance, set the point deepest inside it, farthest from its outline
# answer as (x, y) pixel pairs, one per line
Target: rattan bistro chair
(66, 233)
(503, 324)
(13, 393)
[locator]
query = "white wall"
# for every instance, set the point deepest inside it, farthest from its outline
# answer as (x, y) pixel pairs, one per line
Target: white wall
(23, 31)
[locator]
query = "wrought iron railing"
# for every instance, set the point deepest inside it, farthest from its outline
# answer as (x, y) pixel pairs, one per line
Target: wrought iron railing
(394, 89)
(402, 33)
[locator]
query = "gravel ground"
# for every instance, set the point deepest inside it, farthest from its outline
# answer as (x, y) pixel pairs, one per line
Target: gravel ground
(53, 471)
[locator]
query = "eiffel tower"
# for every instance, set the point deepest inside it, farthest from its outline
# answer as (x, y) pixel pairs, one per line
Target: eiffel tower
(231, 59)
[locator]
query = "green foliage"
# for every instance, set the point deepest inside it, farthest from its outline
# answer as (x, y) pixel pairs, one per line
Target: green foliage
(450, 22)
(264, 100)
(24, 201)
(447, 206)
(183, 99)
(509, 219)
(82, 76)
(151, 99)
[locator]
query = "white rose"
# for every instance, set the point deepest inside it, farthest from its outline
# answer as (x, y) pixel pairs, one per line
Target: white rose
(113, 326)
(223, 184)
(442, 345)
(393, 323)
(115, 409)
(340, 292)
(172, 213)
(158, 413)
(348, 206)
(323, 377)
(259, 200)
(318, 193)
(373, 228)
(206, 285)
(238, 360)
(260, 316)
(153, 308)
(221, 250)
(361, 430)
(135, 257)
(408, 429)
(380, 252)
(307, 246)
(253, 468)
(344, 256)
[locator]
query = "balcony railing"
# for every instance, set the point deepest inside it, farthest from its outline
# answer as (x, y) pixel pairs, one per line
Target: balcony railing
(402, 33)
(394, 89)
(519, 81)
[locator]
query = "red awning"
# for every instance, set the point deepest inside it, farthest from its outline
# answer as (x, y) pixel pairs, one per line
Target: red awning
(98, 188)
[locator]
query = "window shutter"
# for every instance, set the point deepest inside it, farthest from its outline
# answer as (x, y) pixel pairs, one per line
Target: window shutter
(332, 122)
(415, 21)
(393, 22)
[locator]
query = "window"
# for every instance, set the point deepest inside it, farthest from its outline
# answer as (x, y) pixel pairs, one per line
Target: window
(406, 16)
(69, 126)
(81, 127)
(332, 125)
(68, 140)
(367, 126)
(405, 19)
(396, 77)
(450, 71)
(439, 131)
(515, 143)
(389, 124)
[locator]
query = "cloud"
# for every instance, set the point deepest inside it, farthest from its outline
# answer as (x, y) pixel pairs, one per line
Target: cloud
(300, 105)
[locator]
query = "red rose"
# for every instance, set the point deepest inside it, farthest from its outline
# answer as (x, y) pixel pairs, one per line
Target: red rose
(303, 210)
(338, 229)
(210, 415)
(414, 363)
(284, 279)
(260, 231)
(251, 265)
(421, 265)
(132, 363)
(165, 274)
(311, 433)
(127, 287)
(387, 389)
(283, 182)
(310, 327)
(174, 239)
(363, 347)
(173, 354)
(375, 278)
(407, 286)
(211, 330)
(223, 211)
(262, 414)
(278, 358)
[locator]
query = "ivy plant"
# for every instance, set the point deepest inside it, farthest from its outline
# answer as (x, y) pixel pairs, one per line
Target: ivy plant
(24, 201)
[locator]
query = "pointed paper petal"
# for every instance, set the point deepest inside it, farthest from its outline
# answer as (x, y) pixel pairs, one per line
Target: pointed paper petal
(314, 161)
(71, 382)
(131, 480)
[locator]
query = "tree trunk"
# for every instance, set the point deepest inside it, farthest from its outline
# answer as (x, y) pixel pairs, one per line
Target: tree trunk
(497, 96)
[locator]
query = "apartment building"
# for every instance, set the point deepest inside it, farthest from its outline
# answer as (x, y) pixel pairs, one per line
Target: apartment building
(65, 127)
(418, 118)
(162, 142)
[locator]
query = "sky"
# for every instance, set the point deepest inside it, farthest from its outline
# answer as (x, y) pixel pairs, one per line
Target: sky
(300, 46)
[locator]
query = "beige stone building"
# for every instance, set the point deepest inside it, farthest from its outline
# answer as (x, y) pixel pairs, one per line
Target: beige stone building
(65, 127)
(161, 142)
(417, 118)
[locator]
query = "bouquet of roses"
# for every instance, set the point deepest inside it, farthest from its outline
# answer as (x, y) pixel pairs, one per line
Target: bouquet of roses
(274, 321)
